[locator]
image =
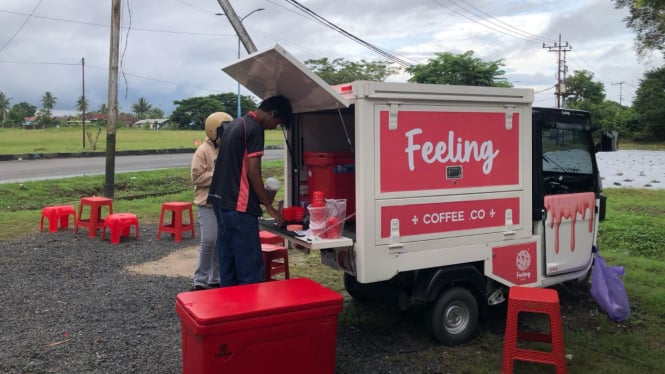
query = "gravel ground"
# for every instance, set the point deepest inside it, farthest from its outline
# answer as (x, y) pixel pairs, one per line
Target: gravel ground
(70, 306)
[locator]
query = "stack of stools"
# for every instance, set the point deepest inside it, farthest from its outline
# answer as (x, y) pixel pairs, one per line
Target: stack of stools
(57, 214)
(275, 255)
(267, 237)
(533, 300)
(95, 220)
(120, 224)
(176, 227)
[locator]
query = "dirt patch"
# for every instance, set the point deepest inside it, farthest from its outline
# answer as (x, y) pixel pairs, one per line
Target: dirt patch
(180, 263)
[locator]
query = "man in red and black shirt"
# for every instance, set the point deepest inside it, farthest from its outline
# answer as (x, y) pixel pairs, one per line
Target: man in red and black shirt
(237, 190)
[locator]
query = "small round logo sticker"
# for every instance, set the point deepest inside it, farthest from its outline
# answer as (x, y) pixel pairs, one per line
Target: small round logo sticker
(523, 260)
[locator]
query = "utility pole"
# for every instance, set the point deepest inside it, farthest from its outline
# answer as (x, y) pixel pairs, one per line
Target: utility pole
(237, 25)
(620, 89)
(112, 102)
(83, 99)
(560, 49)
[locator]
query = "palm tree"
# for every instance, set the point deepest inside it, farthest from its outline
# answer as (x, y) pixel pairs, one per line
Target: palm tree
(82, 104)
(141, 107)
(48, 102)
(4, 107)
(102, 108)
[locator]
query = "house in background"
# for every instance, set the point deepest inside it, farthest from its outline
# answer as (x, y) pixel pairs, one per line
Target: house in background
(151, 123)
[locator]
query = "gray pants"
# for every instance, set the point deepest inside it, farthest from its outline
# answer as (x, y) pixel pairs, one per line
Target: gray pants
(207, 269)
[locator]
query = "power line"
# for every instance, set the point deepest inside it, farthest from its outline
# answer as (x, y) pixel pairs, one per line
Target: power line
(509, 31)
(509, 26)
(21, 27)
(107, 26)
(385, 53)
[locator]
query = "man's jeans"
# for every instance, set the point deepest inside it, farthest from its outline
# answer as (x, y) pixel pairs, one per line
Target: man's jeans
(239, 248)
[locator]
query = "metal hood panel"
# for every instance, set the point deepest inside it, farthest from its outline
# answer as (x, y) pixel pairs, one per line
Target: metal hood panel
(276, 72)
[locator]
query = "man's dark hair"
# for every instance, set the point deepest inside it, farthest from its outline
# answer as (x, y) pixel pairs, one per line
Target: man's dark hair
(281, 106)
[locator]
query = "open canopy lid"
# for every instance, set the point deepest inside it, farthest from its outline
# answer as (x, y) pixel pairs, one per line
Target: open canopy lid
(276, 72)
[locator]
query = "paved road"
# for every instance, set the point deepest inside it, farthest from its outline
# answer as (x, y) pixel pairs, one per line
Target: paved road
(25, 170)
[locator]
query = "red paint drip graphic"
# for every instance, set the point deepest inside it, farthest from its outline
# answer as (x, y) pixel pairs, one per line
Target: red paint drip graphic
(569, 206)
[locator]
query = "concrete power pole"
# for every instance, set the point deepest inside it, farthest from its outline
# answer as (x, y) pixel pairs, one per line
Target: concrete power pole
(112, 103)
(620, 89)
(237, 26)
(560, 49)
(83, 99)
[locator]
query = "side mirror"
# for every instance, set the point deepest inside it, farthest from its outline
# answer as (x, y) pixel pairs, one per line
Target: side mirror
(609, 142)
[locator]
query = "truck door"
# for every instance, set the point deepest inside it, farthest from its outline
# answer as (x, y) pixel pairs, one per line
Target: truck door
(566, 188)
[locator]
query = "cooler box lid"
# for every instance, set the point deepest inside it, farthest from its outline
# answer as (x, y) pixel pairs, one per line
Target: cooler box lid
(228, 304)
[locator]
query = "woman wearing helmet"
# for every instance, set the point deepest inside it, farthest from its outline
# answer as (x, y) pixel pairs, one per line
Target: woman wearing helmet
(206, 274)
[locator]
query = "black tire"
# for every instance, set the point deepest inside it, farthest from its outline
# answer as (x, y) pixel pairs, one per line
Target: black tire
(353, 287)
(453, 317)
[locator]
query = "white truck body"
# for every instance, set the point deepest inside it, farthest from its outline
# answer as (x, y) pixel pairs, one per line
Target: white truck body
(444, 177)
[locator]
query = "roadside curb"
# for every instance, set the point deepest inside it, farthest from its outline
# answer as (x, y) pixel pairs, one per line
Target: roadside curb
(38, 156)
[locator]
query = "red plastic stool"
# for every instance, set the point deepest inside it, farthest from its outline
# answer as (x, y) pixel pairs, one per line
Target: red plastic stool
(176, 227)
(94, 220)
(267, 237)
(120, 224)
(275, 260)
(533, 300)
(55, 214)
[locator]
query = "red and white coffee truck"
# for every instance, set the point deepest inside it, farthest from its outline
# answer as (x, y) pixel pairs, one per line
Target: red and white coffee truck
(456, 193)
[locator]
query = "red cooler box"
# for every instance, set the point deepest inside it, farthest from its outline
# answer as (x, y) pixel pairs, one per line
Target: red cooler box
(287, 326)
(334, 174)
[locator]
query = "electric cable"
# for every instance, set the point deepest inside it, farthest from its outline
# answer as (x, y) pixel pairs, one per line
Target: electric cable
(30, 15)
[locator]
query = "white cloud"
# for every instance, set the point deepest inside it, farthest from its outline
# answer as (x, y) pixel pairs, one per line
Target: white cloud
(175, 49)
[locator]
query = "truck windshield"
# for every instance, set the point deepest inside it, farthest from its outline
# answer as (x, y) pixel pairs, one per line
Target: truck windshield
(566, 151)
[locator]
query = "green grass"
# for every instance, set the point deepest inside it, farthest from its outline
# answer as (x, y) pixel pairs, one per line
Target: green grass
(141, 193)
(54, 140)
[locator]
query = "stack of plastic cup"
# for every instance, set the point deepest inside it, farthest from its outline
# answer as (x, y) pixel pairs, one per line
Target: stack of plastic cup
(272, 186)
(318, 200)
(317, 219)
(336, 213)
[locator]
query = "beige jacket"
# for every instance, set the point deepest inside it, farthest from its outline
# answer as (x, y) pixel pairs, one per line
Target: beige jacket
(203, 165)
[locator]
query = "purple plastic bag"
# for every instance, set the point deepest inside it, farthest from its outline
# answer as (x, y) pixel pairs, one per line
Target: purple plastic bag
(608, 290)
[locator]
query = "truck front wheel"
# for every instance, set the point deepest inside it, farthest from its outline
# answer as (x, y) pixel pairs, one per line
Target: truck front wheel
(453, 317)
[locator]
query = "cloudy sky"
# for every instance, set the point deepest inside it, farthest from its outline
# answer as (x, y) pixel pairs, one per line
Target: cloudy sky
(175, 49)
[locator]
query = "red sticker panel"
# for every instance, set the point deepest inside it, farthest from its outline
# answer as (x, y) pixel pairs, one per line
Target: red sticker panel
(516, 263)
(419, 219)
(478, 147)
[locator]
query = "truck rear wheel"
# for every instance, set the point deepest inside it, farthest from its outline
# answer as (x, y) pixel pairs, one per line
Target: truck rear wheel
(453, 317)
(352, 287)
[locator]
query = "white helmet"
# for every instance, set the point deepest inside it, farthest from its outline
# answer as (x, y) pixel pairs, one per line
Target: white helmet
(214, 121)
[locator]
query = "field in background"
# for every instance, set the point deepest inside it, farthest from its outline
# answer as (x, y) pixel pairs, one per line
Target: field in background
(53, 140)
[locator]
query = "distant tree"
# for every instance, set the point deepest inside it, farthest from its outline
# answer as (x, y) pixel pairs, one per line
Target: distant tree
(82, 105)
(340, 71)
(650, 103)
(44, 114)
(580, 86)
(647, 20)
(191, 113)
(459, 69)
(102, 108)
(4, 107)
(19, 112)
(155, 113)
(610, 115)
(141, 108)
